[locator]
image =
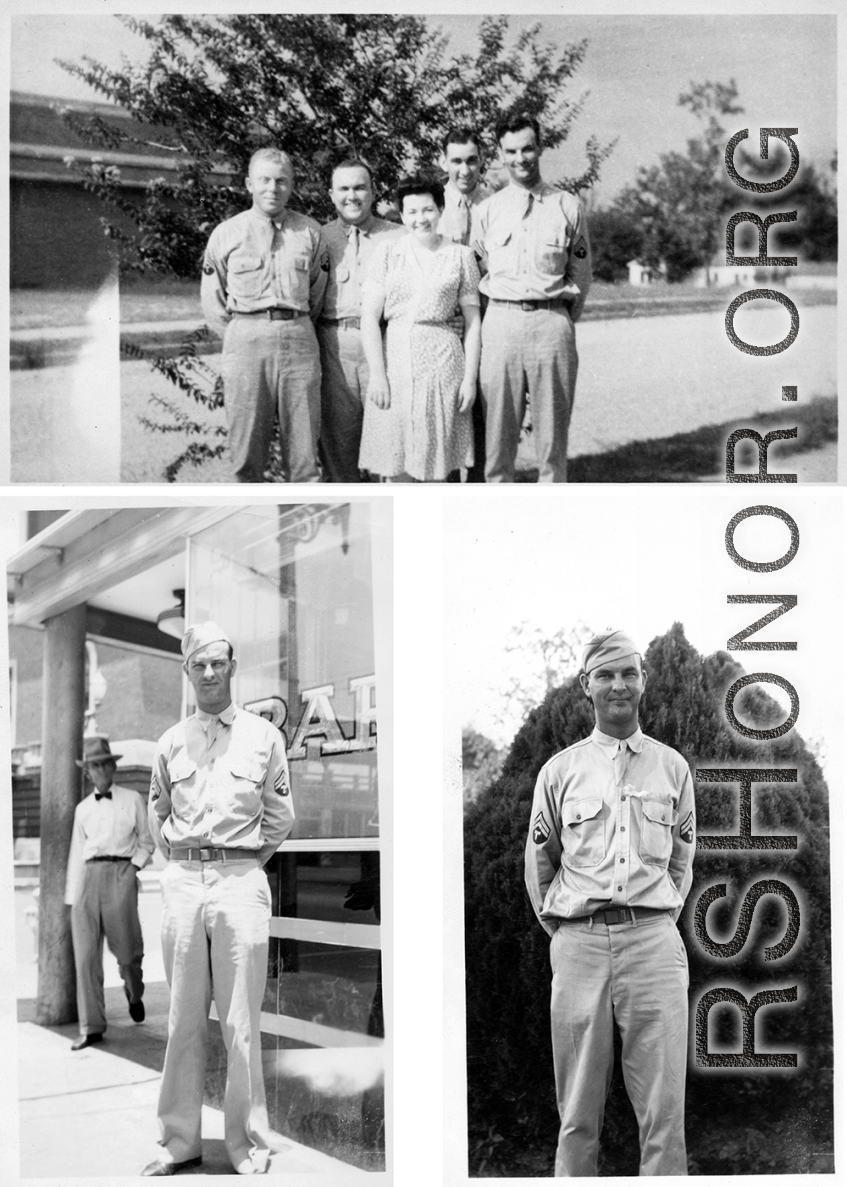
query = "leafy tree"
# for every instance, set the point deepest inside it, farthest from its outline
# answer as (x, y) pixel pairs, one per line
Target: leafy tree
(481, 763)
(539, 661)
(322, 87)
(615, 240)
(739, 1121)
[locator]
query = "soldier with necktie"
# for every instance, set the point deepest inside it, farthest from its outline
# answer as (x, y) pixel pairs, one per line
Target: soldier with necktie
(532, 243)
(462, 161)
(348, 241)
(608, 865)
(110, 843)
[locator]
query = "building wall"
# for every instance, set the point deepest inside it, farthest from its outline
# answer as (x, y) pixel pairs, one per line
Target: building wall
(55, 237)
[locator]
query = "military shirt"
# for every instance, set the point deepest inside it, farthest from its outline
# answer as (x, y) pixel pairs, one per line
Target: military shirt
(533, 246)
(104, 827)
(347, 267)
(221, 780)
(458, 211)
(254, 262)
(612, 825)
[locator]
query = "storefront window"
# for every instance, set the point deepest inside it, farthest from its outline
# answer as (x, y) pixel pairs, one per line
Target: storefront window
(293, 586)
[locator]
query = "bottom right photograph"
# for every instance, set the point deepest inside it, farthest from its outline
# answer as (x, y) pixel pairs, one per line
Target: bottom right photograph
(643, 722)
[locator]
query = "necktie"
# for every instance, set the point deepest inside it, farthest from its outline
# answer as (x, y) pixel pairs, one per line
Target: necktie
(464, 220)
(354, 254)
(529, 200)
(620, 764)
(102, 795)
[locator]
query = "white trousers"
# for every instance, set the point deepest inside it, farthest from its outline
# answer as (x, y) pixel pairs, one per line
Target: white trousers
(215, 930)
(637, 975)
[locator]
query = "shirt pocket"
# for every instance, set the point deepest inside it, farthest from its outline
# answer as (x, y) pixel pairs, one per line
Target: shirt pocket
(242, 792)
(552, 252)
(181, 772)
(657, 821)
(500, 252)
(244, 274)
(583, 832)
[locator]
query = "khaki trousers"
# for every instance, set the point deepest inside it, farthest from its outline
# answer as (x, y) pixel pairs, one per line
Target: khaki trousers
(344, 385)
(637, 975)
(268, 365)
(106, 905)
(215, 930)
(527, 355)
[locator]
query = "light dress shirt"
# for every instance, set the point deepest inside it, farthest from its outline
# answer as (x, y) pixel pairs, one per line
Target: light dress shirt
(349, 255)
(612, 825)
(254, 262)
(115, 827)
(221, 781)
(456, 221)
(533, 246)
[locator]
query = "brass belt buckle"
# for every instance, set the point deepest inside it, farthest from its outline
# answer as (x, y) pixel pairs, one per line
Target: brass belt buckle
(206, 854)
(528, 306)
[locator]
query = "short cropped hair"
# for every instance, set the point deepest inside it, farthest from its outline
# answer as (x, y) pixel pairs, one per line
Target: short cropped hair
(516, 122)
(461, 134)
(420, 183)
(269, 153)
(351, 163)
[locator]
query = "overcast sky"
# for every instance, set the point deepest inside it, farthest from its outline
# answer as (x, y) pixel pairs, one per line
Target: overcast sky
(634, 70)
(636, 561)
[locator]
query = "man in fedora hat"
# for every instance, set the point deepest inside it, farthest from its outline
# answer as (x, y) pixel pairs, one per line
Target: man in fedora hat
(220, 806)
(110, 843)
(608, 866)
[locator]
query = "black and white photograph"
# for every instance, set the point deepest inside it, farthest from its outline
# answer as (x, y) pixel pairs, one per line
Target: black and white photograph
(413, 248)
(197, 779)
(650, 750)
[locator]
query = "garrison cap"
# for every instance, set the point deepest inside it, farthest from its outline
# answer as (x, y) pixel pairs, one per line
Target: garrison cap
(605, 648)
(201, 635)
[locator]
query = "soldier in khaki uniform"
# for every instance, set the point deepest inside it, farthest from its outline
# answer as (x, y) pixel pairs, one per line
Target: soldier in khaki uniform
(264, 276)
(348, 241)
(461, 160)
(220, 806)
(608, 866)
(532, 242)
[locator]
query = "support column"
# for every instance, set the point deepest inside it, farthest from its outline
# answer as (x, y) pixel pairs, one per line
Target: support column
(61, 783)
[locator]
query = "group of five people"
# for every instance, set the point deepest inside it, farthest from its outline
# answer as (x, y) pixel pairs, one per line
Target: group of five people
(366, 337)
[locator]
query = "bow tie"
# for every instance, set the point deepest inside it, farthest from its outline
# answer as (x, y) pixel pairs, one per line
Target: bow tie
(101, 795)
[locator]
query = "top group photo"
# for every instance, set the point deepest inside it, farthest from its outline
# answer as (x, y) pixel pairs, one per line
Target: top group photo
(400, 248)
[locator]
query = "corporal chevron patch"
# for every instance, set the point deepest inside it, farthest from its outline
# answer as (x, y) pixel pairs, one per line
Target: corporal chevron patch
(540, 829)
(686, 829)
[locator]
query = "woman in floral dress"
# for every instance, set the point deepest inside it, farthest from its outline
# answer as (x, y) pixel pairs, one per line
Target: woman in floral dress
(417, 424)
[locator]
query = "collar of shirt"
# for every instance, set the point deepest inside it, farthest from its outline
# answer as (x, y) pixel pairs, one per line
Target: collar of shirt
(635, 741)
(364, 228)
(539, 191)
(206, 719)
(265, 220)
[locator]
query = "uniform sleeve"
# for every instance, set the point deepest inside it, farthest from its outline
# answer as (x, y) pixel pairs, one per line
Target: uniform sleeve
(373, 284)
(318, 276)
(469, 281)
(543, 855)
(75, 862)
(278, 810)
(213, 287)
(144, 845)
(680, 866)
(578, 270)
(479, 225)
(159, 802)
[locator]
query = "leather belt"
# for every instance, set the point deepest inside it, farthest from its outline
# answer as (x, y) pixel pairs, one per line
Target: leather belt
(531, 306)
(343, 323)
(178, 854)
(273, 314)
(108, 859)
(615, 915)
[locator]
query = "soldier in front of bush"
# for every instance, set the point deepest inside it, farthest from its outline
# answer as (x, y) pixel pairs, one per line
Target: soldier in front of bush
(608, 866)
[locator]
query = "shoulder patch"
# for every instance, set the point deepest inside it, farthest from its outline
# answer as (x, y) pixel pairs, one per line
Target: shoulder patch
(281, 786)
(208, 270)
(155, 790)
(581, 249)
(686, 829)
(540, 829)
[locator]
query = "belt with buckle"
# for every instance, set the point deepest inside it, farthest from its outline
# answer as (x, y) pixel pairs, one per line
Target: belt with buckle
(107, 859)
(615, 915)
(179, 854)
(273, 314)
(343, 323)
(531, 306)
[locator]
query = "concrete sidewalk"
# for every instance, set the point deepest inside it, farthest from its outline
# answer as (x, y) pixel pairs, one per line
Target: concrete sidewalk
(92, 1113)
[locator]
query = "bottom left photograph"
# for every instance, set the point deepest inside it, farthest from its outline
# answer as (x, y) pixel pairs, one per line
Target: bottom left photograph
(202, 946)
